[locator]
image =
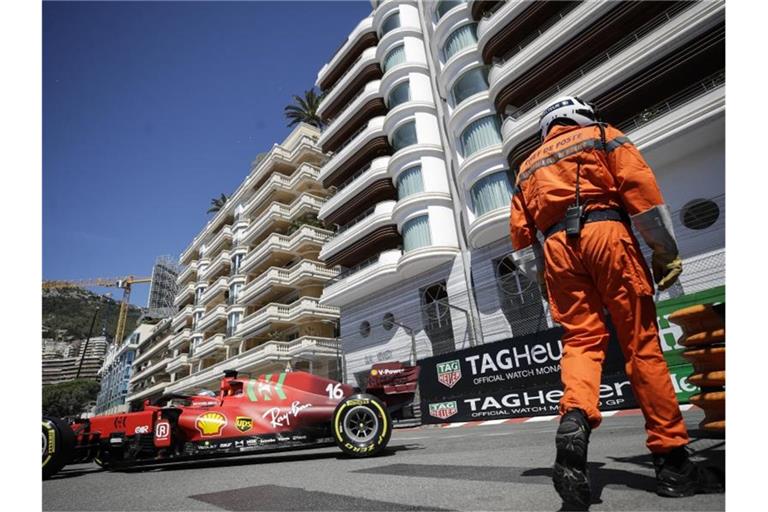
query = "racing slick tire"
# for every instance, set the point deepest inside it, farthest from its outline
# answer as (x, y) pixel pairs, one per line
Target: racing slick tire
(361, 425)
(58, 445)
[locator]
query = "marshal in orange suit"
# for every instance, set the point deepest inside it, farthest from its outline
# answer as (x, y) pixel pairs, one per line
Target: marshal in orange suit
(581, 189)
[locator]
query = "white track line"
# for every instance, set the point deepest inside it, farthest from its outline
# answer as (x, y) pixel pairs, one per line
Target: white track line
(493, 422)
(685, 407)
(609, 413)
(454, 425)
(540, 418)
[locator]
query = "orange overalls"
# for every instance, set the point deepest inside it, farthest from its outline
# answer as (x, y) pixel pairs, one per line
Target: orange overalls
(602, 268)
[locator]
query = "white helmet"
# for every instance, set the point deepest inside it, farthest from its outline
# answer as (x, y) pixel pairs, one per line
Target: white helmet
(566, 107)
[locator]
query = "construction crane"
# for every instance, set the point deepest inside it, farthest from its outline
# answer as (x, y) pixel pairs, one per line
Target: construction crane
(109, 282)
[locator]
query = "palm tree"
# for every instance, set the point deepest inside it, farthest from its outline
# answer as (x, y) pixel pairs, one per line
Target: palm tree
(217, 203)
(304, 110)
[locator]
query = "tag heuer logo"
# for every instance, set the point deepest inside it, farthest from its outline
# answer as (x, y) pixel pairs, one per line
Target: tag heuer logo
(243, 423)
(443, 410)
(449, 373)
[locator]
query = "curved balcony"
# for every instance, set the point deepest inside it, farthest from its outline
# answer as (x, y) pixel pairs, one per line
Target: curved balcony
(155, 349)
(379, 274)
(411, 155)
(184, 294)
(364, 70)
(280, 280)
(367, 145)
(480, 161)
(664, 42)
(304, 309)
(363, 189)
(212, 317)
(380, 217)
(188, 275)
(455, 66)
(418, 203)
(307, 239)
(480, 8)
(182, 318)
(418, 261)
(365, 106)
(178, 339)
(362, 36)
(474, 107)
(219, 286)
(178, 362)
(282, 188)
(449, 21)
(218, 264)
(407, 110)
(255, 360)
(151, 370)
(208, 347)
(222, 239)
(489, 227)
(557, 35)
(400, 71)
(515, 25)
(278, 214)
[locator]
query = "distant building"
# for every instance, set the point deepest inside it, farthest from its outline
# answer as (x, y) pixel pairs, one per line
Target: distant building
(116, 369)
(76, 356)
(149, 375)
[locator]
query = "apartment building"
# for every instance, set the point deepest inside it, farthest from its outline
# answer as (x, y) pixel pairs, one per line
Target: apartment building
(248, 295)
(432, 106)
(79, 362)
(150, 369)
(116, 370)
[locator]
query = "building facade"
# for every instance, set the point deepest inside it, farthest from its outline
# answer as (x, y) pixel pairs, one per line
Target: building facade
(116, 370)
(80, 362)
(248, 294)
(431, 106)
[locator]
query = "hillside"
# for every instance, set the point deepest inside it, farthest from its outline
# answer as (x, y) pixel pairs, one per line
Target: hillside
(72, 309)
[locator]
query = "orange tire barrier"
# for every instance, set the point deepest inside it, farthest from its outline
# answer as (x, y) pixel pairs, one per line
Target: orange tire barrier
(704, 337)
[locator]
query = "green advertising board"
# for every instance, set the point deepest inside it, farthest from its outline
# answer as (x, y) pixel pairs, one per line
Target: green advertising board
(679, 368)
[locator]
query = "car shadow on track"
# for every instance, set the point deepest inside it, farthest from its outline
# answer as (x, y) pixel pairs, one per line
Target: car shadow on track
(292, 456)
(73, 472)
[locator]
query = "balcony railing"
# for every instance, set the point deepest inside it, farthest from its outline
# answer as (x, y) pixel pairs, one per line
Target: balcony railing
(680, 98)
(603, 57)
(541, 29)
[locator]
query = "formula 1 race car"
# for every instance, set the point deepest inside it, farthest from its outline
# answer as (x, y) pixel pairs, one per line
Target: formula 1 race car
(272, 412)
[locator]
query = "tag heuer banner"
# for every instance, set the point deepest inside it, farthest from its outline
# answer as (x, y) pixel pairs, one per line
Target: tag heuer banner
(519, 377)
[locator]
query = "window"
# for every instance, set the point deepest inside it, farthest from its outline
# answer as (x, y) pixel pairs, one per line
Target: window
(490, 193)
(446, 5)
(394, 57)
(459, 39)
(237, 260)
(388, 321)
(520, 299)
(471, 82)
(409, 182)
(365, 329)
(391, 23)
(233, 319)
(404, 136)
(196, 319)
(416, 233)
(399, 94)
(480, 134)
(699, 214)
(234, 292)
(199, 293)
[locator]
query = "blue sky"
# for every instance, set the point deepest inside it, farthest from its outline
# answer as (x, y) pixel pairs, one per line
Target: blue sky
(150, 109)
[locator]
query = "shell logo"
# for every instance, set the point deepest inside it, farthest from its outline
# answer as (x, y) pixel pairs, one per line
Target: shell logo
(211, 423)
(374, 372)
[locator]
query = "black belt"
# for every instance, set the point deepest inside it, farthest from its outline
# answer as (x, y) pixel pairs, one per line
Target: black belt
(591, 216)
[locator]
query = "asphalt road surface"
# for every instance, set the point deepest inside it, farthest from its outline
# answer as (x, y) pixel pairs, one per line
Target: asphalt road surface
(488, 467)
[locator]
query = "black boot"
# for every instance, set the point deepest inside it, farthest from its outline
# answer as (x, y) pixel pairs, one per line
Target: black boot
(570, 472)
(678, 476)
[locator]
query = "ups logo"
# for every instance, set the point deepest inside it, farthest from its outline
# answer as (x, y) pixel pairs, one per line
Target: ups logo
(243, 423)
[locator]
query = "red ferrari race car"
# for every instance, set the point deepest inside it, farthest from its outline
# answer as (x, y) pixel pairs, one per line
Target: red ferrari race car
(272, 412)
